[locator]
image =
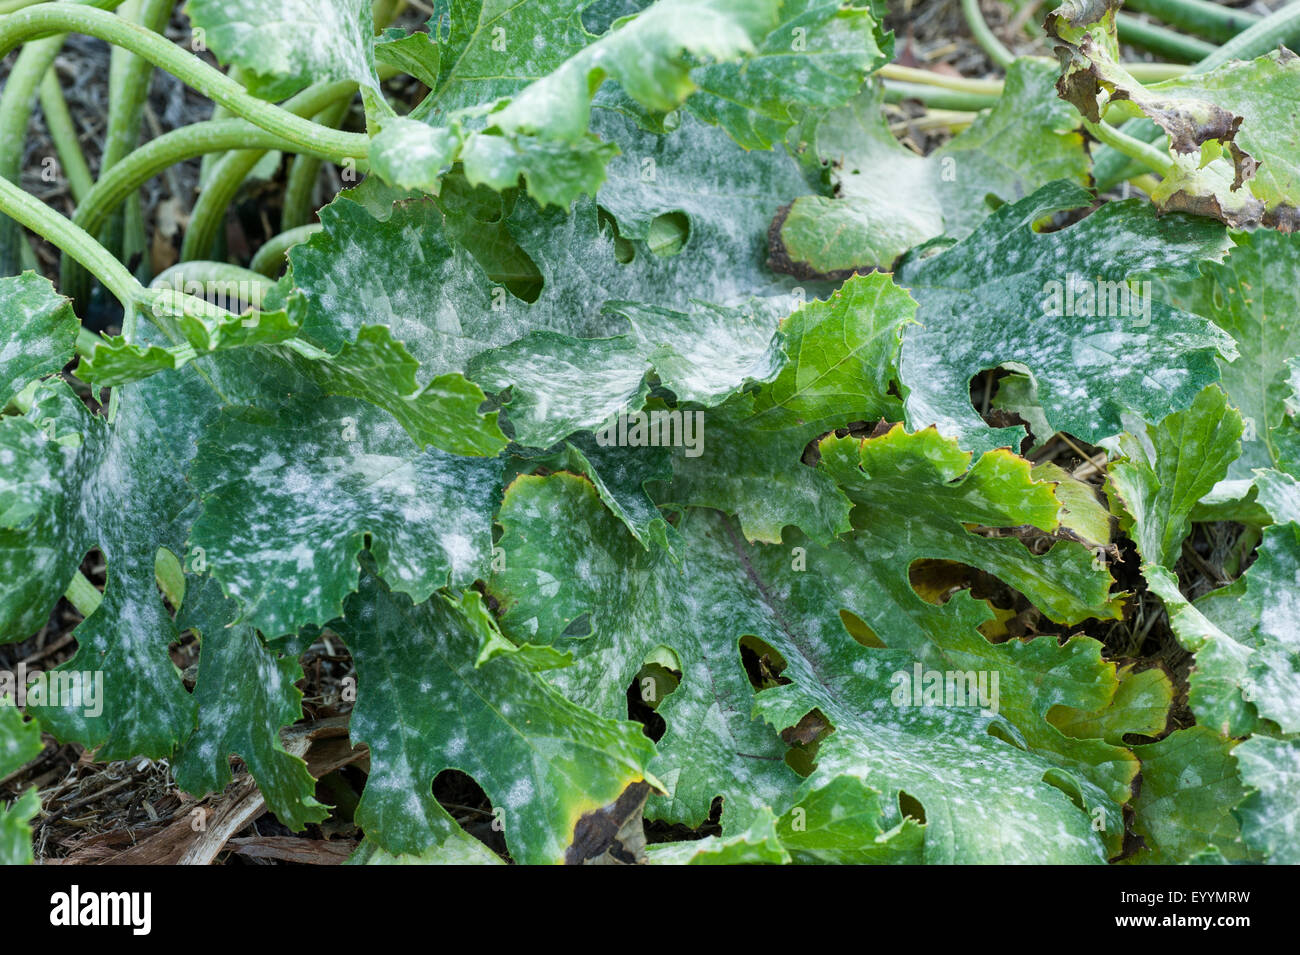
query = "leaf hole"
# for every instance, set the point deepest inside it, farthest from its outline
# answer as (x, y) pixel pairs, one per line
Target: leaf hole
(658, 678)
(860, 631)
(911, 807)
(467, 803)
(763, 665)
(1068, 785)
(624, 251)
(669, 234)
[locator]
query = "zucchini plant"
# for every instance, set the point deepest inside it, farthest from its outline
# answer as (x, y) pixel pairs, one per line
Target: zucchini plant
(666, 441)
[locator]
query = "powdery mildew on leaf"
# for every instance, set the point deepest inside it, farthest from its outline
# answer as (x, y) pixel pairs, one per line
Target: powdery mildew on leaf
(987, 301)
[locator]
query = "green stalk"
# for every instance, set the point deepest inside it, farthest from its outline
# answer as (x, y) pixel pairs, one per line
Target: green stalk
(1283, 26)
(304, 171)
(1155, 159)
(53, 18)
(155, 156)
(937, 97)
(64, 134)
(83, 595)
(128, 87)
(229, 174)
(979, 29)
(1160, 40)
(270, 257)
(197, 139)
(16, 100)
(1210, 20)
(74, 241)
(178, 276)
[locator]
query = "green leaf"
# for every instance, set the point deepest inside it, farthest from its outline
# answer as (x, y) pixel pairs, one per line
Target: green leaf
(1189, 787)
(1242, 296)
(1169, 468)
(1231, 127)
(1270, 768)
(424, 706)
(842, 824)
(636, 601)
(245, 693)
(38, 332)
(888, 199)
(841, 359)
(120, 488)
(20, 743)
(284, 45)
(1257, 614)
(816, 58)
(576, 350)
(1002, 297)
(289, 502)
(1140, 706)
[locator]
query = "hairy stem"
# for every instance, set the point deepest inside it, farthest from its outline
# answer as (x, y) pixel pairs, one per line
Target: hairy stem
(1198, 16)
(979, 29)
(1282, 26)
(64, 134)
(1160, 40)
(270, 257)
(53, 18)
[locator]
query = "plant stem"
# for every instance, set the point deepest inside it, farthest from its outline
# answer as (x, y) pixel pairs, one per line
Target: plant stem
(1150, 156)
(270, 257)
(937, 97)
(210, 136)
(64, 134)
(304, 172)
(1160, 40)
(907, 74)
(1281, 26)
(128, 87)
(71, 239)
(1197, 16)
(45, 19)
(229, 174)
(215, 273)
(16, 102)
(979, 29)
(83, 595)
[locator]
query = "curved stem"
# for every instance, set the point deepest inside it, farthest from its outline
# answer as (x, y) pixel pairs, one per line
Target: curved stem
(1282, 26)
(1157, 160)
(304, 172)
(1198, 16)
(229, 174)
(197, 139)
(270, 257)
(45, 19)
(979, 29)
(71, 239)
(128, 87)
(63, 131)
(16, 101)
(1161, 40)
